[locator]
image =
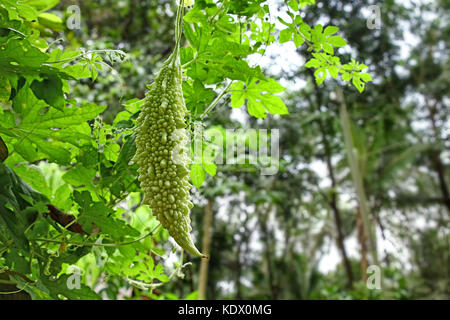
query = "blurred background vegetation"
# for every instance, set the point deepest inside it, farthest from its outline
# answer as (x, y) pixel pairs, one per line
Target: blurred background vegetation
(298, 234)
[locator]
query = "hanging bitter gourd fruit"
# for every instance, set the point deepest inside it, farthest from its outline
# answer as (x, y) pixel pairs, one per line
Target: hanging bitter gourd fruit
(161, 154)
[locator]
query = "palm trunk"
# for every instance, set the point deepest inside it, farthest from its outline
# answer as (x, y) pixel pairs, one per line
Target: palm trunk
(356, 176)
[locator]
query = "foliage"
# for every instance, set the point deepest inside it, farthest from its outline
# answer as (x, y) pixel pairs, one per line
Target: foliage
(70, 200)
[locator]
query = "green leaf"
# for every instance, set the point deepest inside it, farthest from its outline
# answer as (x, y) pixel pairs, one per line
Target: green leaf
(79, 176)
(49, 90)
(42, 5)
(336, 41)
(34, 177)
(21, 52)
(51, 21)
(285, 35)
(321, 75)
(197, 175)
(313, 63)
(259, 98)
(16, 9)
(48, 133)
(102, 216)
(197, 96)
(270, 85)
(298, 40)
(17, 262)
(16, 196)
(330, 30)
(346, 76)
(5, 88)
(358, 84)
(126, 152)
(238, 94)
(318, 28)
(60, 286)
(333, 71)
(256, 109)
(293, 4)
(274, 104)
(328, 48)
(11, 222)
(365, 76)
(210, 168)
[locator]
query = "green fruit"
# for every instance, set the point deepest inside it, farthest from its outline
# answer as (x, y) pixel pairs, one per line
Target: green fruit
(164, 176)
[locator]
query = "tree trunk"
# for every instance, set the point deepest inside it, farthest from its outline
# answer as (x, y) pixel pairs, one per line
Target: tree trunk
(333, 197)
(436, 159)
(238, 272)
(203, 281)
(266, 237)
(358, 182)
(363, 244)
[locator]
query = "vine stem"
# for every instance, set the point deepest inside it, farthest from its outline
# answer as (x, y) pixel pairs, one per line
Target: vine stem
(216, 101)
(114, 245)
(85, 54)
(178, 32)
(13, 292)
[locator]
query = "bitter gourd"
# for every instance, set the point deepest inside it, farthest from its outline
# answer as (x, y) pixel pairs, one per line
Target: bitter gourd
(163, 175)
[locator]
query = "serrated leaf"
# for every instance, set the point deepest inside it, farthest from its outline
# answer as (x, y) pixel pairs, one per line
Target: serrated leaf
(238, 94)
(21, 52)
(16, 196)
(256, 109)
(259, 98)
(274, 104)
(34, 177)
(61, 286)
(49, 90)
(99, 214)
(79, 176)
(269, 85)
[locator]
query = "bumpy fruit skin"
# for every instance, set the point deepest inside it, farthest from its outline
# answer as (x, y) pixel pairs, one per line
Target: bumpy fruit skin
(161, 131)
